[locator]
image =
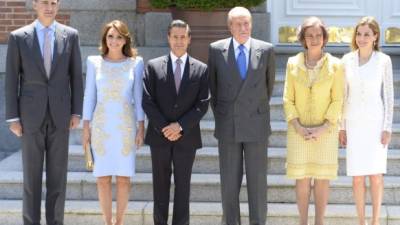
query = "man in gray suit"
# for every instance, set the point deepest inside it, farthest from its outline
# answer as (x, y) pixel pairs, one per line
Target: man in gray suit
(44, 94)
(242, 74)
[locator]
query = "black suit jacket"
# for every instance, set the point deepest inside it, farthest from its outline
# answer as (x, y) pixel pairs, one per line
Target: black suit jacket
(29, 91)
(163, 105)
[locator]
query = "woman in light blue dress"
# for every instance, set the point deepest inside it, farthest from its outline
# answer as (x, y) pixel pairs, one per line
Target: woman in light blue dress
(113, 118)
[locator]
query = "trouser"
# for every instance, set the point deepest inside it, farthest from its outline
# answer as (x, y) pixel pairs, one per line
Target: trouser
(50, 145)
(162, 160)
(231, 158)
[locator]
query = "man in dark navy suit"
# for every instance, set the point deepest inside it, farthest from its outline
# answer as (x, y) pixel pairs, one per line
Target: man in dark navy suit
(175, 99)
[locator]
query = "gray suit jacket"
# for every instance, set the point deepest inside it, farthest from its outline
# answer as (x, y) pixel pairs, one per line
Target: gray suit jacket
(29, 91)
(241, 108)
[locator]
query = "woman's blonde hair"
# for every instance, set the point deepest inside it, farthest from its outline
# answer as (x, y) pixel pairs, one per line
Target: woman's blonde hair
(123, 30)
(373, 25)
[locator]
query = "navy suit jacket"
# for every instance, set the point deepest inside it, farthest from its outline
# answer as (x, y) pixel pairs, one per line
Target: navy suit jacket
(163, 105)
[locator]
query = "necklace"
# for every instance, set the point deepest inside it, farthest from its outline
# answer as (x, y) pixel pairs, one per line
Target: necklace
(310, 64)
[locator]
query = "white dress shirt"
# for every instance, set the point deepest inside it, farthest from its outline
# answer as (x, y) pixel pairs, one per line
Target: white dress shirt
(40, 35)
(246, 50)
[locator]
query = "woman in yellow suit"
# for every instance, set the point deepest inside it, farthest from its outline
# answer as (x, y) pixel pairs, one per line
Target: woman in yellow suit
(313, 99)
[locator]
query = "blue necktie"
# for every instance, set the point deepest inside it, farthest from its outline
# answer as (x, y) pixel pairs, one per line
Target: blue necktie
(241, 62)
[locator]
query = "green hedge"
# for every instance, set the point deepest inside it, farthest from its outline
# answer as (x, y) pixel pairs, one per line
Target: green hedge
(204, 4)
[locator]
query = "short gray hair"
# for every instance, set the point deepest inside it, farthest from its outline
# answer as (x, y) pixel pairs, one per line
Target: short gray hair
(238, 11)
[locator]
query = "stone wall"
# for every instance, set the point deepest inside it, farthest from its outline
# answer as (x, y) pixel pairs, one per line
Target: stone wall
(156, 23)
(89, 16)
(15, 14)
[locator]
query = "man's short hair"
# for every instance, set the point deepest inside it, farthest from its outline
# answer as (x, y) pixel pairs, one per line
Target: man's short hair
(237, 12)
(180, 24)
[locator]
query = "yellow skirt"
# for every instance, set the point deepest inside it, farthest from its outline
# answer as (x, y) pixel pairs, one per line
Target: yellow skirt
(316, 159)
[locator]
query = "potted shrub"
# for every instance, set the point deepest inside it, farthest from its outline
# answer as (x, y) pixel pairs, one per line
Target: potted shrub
(207, 19)
(204, 5)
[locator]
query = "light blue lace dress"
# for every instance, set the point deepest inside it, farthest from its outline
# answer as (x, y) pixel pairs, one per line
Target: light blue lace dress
(112, 102)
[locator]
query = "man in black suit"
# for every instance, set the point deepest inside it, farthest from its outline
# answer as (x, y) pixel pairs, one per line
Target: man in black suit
(44, 94)
(175, 99)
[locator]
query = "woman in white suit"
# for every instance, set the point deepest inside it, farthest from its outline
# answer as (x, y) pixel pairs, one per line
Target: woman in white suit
(367, 115)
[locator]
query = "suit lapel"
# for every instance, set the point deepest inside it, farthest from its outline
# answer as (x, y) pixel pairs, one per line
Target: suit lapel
(229, 54)
(255, 55)
(59, 45)
(31, 40)
(254, 59)
(225, 52)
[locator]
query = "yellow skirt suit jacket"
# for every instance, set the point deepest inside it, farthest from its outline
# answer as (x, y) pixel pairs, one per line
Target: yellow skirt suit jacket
(313, 96)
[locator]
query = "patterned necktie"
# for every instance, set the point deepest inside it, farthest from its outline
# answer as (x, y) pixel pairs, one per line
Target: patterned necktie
(177, 74)
(241, 62)
(47, 51)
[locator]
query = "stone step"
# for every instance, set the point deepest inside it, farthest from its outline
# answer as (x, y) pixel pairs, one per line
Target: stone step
(280, 82)
(279, 129)
(277, 138)
(205, 188)
(201, 213)
(277, 112)
(206, 161)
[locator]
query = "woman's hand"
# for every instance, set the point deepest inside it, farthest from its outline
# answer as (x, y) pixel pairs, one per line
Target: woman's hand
(139, 139)
(386, 137)
(316, 132)
(300, 130)
(304, 132)
(86, 135)
(342, 138)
